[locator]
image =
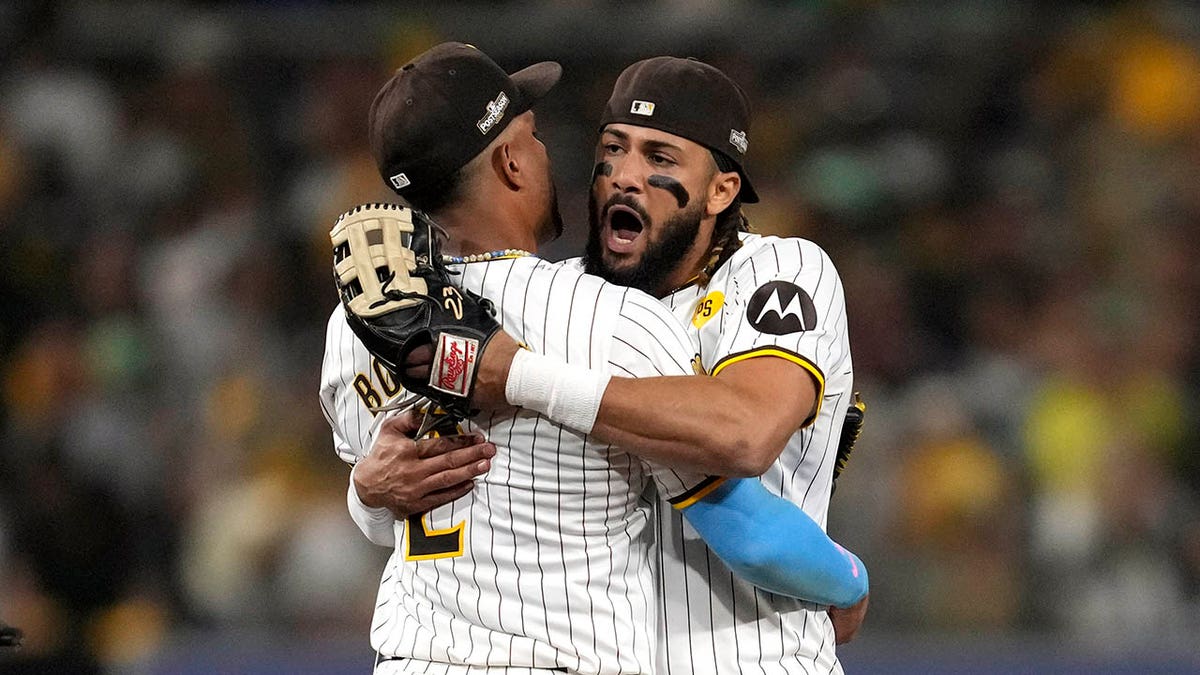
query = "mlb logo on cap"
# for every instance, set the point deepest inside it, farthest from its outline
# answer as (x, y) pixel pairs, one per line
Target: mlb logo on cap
(642, 108)
(400, 181)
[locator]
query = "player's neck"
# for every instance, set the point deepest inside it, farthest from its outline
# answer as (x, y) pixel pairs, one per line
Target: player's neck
(468, 245)
(470, 236)
(488, 220)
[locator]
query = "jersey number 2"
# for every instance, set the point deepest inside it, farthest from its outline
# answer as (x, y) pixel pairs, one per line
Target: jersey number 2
(423, 543)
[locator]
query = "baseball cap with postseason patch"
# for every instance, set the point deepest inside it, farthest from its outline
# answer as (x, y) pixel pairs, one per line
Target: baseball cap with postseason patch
(687, 98)
(444, 107)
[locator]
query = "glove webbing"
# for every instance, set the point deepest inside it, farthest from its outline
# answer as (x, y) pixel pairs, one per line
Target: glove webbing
(851, 430)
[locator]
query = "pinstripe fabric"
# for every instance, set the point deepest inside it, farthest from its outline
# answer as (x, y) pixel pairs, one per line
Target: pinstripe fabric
(556, 569)
(431, 668)
(339, 401)
(715, 623)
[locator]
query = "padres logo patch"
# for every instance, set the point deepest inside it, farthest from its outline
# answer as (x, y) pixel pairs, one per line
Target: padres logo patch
(707, 308)
(781, 307)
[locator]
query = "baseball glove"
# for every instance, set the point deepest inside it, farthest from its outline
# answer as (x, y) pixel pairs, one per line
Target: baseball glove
(398, 297)
(851, 429)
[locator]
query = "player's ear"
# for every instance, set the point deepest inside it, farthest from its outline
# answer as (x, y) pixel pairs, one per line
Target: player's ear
(722, 190)
(507, 165)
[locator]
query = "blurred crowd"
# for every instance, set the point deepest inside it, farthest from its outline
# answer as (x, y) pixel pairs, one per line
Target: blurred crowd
(1011, 192)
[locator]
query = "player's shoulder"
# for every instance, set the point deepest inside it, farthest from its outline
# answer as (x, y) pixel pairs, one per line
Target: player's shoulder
(784, 250)
(565, 282)
(337, 320)
(533, 265)
(764, 257)
(566, 271)
(628, 297)
(494, 275)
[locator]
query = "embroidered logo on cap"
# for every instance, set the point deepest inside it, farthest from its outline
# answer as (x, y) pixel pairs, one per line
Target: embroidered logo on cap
(400, 181)
(642, 108)
(738, 140)
(495, 111)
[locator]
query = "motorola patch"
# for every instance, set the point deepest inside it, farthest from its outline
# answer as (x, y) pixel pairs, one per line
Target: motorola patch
(781, 307)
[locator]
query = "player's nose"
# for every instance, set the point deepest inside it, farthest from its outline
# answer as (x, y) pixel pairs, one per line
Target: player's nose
(627, 177)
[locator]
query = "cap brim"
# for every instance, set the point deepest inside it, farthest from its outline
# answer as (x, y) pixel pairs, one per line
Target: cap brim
(747, 193)
(536, 80)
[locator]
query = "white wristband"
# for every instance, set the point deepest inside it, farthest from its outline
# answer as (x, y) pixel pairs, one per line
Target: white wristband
(568, 395)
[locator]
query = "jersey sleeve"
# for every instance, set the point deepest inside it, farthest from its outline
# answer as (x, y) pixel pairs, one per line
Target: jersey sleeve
(378, 524)
(785, 300)
(343, 387)
(648, 341)
(348, 418)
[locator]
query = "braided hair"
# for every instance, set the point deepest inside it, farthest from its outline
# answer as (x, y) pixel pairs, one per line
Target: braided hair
(731, 221)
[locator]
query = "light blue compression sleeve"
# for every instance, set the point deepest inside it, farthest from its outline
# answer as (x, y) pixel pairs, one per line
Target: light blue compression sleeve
(773, 544)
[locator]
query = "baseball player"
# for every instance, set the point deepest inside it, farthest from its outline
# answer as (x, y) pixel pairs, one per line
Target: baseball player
(768, 317)
(767, 314)
(544, 566)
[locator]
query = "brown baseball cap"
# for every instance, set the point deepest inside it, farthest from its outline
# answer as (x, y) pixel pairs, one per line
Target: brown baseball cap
(687, 98)
(444, 107)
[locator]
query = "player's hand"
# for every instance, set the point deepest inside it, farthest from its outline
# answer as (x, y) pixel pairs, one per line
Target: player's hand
(419, 363)
(410, 476)
(847, 621)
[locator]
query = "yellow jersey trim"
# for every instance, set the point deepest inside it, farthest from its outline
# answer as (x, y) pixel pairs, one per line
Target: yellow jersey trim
(786, 355)
(697, 493)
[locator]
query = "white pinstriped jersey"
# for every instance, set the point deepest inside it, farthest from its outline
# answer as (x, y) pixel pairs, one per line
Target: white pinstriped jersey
(781, 297)
(547, 563)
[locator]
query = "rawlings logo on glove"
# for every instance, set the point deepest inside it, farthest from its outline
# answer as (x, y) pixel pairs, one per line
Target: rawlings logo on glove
(398, 297)
(454, 364)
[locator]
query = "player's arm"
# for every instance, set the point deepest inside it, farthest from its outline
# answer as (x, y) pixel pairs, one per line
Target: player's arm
(392, 475)
(402, 476)
(407, 476)
(775, 545)
(350, 425)
(763, 538)
(733, 424)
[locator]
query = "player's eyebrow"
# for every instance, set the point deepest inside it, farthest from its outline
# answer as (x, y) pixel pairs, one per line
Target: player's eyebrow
(620, 135)
(649, 144)
(652, 145)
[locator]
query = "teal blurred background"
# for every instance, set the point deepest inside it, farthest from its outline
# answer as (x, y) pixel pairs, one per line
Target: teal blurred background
(1011, 191)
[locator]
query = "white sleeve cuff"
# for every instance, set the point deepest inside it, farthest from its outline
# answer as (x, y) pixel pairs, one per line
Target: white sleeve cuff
(376, 523)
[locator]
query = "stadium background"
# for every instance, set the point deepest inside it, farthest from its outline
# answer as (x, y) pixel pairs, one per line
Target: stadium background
(1011, 191)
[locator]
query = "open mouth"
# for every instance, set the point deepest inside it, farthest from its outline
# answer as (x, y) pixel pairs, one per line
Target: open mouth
(624, 227)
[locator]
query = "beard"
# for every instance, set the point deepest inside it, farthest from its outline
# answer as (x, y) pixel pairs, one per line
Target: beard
(660, 259)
